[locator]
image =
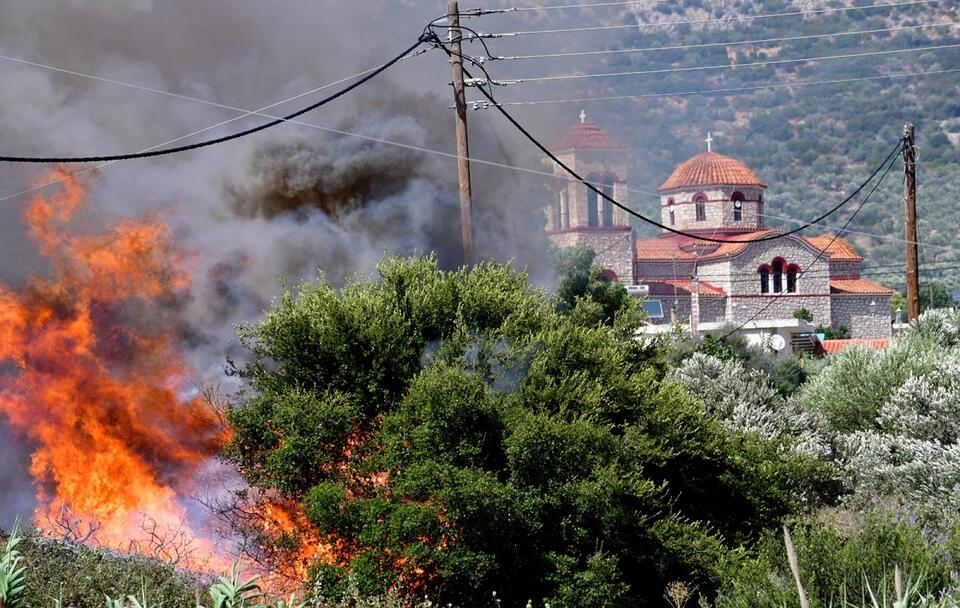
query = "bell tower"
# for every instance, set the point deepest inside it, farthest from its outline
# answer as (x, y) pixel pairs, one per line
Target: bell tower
(577, 214)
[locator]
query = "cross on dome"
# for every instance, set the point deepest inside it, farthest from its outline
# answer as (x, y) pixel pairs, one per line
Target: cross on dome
(709, 141)
(583, 116)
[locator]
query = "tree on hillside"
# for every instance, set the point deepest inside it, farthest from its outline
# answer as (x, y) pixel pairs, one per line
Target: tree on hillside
(941, 298)
(452, 434)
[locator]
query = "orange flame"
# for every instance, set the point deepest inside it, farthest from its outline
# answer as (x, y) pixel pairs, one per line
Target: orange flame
(92, 369)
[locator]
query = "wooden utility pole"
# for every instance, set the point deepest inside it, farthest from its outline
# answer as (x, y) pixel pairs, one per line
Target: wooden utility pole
(463, 144)
(910, 211)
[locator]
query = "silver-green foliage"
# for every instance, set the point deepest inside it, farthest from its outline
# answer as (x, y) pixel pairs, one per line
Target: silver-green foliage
(13, 583)
(897, 414)
(746, 401)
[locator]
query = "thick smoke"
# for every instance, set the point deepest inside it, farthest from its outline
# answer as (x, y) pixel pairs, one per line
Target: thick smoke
(282, 204)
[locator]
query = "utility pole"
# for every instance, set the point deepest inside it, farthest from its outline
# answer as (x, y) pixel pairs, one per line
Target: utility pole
(463, 145)
(910, 211)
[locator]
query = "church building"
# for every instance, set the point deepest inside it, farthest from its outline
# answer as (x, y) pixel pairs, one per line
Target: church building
(699, 282)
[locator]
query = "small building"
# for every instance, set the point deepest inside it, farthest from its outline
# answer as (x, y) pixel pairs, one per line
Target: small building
(700, 282)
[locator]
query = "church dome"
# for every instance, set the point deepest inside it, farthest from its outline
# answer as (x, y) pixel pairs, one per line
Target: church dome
(711, 169)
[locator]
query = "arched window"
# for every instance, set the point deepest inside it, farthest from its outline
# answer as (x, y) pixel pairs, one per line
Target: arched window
(608, 276)
(608, 181)
(760, 216)
(593, 209)
(778, 267)
(700, 201)
(673, 217)
(564, 210)
(738, 200)
(792, 271)
(764, 273)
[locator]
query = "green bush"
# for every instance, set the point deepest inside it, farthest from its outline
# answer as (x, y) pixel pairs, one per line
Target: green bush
(79, 577)
(459, 435)
(841, 560)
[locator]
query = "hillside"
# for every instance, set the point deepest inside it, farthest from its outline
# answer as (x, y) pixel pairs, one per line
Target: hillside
(811, 144)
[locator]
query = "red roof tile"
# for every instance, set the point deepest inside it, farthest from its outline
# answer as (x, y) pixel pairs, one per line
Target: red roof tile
(711, 169)
(859, 287)
(680, 247)
(832, 347)
(586, 136)
(661, 287)
(838, 250)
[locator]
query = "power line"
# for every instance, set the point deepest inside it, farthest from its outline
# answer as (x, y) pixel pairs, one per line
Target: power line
(245, 114)
(720, 44)
(781, 85)
(640, 216)
(261, 112)
(727, 66)
(477, 12)
(700, 21)
(86, 159)
(883, 237)
(889, 163)
(751, 277)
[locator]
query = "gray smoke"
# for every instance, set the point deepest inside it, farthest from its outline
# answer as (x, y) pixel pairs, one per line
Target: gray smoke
(283, 203)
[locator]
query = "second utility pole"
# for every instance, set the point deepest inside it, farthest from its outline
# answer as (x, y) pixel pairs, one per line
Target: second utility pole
(910, 211)
(463, 145)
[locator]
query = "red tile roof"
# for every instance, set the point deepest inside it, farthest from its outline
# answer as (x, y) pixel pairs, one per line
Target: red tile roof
(838, 250)
(861, 287)
(678, 247)
(711, 169)
(662, 287)
(832, 347)
(586, 136)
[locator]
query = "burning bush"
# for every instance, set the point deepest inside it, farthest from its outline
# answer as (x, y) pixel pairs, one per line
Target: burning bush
(450, 434)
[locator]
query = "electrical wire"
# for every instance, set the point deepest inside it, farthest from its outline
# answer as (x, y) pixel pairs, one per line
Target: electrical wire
(728, 90)
(194, 146)
(477, 12)
(704, 45)
(597, 28)
(640, 216)
(245, 114)
(727, 66)
(822, 252)
(873, 235)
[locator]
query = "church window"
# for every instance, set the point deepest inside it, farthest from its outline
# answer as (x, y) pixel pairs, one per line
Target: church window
(777, 275)
(700, 201)
(593, 209)
(764, 273)
(792, 271)
(564, 210)
(738, 200)
(607, 205)
(673, 218)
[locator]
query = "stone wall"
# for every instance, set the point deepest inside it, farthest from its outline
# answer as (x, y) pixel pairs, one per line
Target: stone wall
(719, 208)
(865, 320)
(845, 270)
(743, 308)
(712, 308)
(681, 269)
(613, 246)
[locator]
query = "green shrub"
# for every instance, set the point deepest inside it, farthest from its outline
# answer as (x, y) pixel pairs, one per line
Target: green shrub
(841, 560)
(459, 434)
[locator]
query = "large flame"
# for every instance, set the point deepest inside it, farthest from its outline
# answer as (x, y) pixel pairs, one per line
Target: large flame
(92, 373)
